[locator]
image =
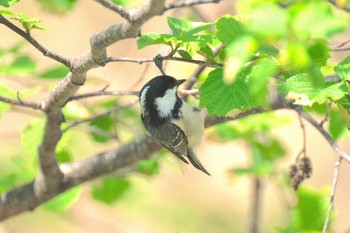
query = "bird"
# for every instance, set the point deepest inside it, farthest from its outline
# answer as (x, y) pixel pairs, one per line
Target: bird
(175, 124)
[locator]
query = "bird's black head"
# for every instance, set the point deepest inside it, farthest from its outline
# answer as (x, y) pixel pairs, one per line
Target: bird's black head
(160, 84)
(158, 98)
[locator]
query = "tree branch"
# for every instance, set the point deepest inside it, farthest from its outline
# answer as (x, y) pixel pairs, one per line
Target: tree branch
(21, 103)
(116, 8)
(334, 187)
(29, 196)
(170, 58)
(65, 61)
(325, 134)
(187, 3)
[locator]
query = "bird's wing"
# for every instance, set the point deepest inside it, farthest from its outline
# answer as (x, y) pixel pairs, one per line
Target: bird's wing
(171, 137)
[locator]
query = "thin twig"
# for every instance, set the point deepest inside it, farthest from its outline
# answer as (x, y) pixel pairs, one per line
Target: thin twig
(335, 4)
(106, 113)
(186, 3)
(144, 60)
(65, 61)
(302, 126)
(325, 119)
(340, 49)
(21, 103)
(332, 196)
(103, 93)
(325, 134)
(116, 8)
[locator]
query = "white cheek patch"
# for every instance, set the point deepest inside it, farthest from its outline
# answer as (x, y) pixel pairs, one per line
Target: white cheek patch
(143, 100)
(165, 104)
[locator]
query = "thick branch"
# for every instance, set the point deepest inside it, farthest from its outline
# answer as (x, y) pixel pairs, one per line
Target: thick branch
(28, 196)
(65, 61)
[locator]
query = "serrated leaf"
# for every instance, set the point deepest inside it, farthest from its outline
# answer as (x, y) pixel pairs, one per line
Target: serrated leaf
(228, 29)
(57, 72)
(64, 201)
(301, 89)
(337, 126)
(343, 69)
(110, 190)
(28, 22)
(220, 98)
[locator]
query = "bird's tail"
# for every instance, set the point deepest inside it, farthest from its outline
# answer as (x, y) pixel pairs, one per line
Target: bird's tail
(195, 162)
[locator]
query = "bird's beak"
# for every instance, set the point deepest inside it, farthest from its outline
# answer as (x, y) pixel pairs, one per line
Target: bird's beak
(181, 81)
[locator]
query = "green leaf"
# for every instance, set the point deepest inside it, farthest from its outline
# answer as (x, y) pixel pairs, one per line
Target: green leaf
(301, 88)
(294, 56)
(319, 52)
(29, 91)
(184, 54)
(6, 92)
(57, 72)
(311, 210)
(8, 3)
(64, 201)
(228, 29)
(151, 39)
(268, 49)
(75, 111)
(32, 137)
(260, 76)
(246, 128)
(110, 190)
(337, 126)
(58, 6)
(148, 167)
(343, 69)
(267, 20)
(316, 19)
(23, 64)
(220, 98)
(28, 22)
(126, 3)
(105, 123)
(344, 109)
(63, 155)
(238, 54)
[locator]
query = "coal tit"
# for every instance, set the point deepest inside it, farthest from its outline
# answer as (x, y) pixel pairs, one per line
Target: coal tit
(174, 123)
